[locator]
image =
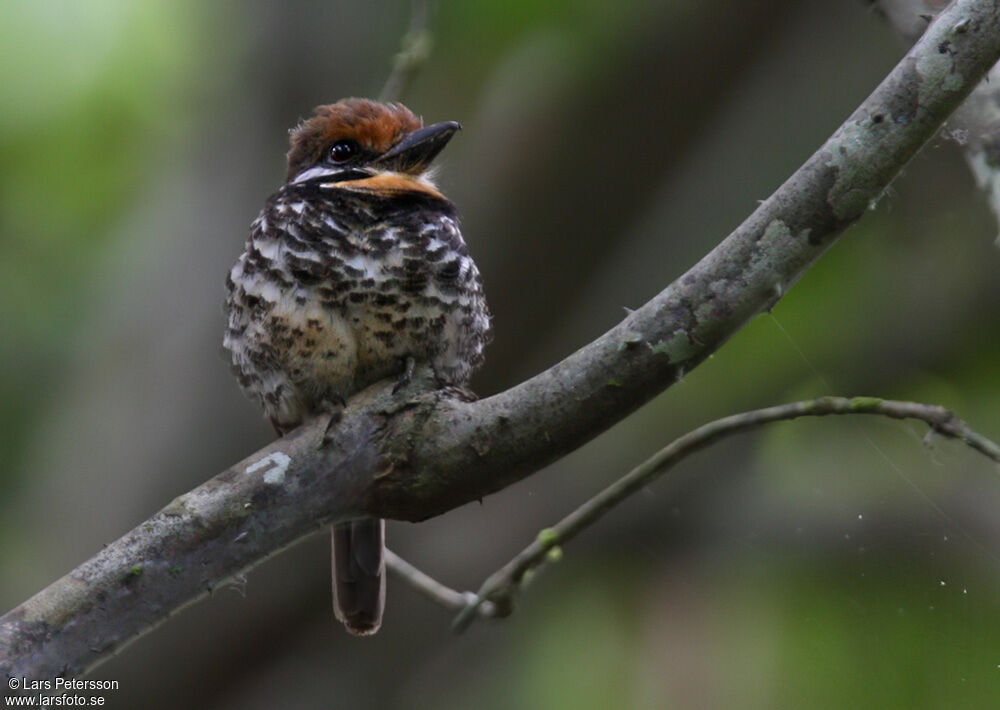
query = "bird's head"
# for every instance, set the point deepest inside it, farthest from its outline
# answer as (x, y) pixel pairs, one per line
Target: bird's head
(366, 145)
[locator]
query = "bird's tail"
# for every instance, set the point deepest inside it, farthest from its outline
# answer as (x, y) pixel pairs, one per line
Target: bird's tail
(359, 574)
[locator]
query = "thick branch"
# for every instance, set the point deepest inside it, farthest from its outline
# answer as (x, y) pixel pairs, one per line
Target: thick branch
(976, 123)
(467, 450)
(412, 458)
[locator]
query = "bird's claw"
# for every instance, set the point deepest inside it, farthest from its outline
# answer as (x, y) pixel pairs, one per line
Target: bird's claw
(405, 378)
(335, 407)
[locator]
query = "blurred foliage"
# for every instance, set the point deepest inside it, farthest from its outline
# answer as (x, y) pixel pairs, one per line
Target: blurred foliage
(94, 96)
(868, 628)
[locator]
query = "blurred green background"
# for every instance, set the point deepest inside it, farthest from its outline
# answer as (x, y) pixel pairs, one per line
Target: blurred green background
(607, 146)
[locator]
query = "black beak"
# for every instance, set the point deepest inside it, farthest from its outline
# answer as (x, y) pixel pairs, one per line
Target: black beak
(415, 152)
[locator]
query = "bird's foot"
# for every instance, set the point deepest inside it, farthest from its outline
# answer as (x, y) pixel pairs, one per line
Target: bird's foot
(407, 375)
(335, 407)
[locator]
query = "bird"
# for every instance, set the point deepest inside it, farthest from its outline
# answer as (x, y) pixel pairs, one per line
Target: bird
(355, 271)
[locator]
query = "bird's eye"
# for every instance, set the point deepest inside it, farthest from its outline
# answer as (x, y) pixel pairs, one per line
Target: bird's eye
(342, 151)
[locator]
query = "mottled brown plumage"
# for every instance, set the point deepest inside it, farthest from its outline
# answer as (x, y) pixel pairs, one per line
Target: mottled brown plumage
(355, 268)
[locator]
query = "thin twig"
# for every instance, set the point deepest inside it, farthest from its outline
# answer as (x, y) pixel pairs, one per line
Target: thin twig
(434, 590)
(413, 53)
(501, 586)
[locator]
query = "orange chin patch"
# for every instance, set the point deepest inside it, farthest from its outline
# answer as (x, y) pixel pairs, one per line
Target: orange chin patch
(391, 183)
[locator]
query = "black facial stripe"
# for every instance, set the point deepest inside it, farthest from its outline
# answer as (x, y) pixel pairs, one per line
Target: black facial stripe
(351, 175)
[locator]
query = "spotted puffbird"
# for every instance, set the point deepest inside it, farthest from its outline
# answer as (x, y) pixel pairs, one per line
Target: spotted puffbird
(354, 271)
